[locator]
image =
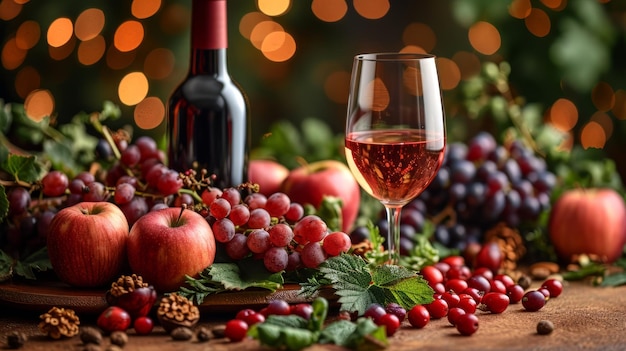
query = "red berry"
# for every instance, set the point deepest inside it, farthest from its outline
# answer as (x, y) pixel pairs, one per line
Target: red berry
(515, 292)
(554, 286)
(437, 309)
(304, 310)
(243, 314)
(454, 313)
(254, 318)
(143, 325)
(374, 311)
(390, 321)
(236, 330)
(467, 324)
(467, 304)
(498, 286)
(114, 319)
(456, 284)
(418, 316)
(494, 302)
(505, 279)
(490, 256)
(533, 301)
(451, 298)
(278, 307)
(545, 292)
(476, 294)
(396, 309)
(432, 275)
(480, 283)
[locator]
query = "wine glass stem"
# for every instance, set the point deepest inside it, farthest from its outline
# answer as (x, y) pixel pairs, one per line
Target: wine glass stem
(393, 233)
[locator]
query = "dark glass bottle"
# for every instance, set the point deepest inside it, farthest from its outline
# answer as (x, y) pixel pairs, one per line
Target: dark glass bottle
(208, 113)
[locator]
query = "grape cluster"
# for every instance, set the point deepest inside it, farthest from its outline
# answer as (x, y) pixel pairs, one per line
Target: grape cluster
(479, 185)
(270, 228)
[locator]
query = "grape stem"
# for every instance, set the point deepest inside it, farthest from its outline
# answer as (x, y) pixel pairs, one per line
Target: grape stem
(106, 133)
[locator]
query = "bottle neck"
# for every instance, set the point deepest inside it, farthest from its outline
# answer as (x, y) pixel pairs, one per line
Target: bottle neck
(209, 37)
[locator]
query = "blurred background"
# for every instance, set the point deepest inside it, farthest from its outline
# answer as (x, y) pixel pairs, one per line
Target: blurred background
(541, 67)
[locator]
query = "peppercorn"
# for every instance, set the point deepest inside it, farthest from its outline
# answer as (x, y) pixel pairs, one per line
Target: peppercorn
(545, 327)
(181, 333)
(524, 281)
(89, 335)
(16, 339)
(119, 338)
(203, 334)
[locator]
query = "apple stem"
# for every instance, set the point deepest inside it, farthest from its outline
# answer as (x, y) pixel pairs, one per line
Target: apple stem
(180, 215)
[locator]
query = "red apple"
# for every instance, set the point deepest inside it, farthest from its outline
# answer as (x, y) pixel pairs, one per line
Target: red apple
(268, 174)
(165, 245)
(87, 243)
(309, 184)
(588, 221)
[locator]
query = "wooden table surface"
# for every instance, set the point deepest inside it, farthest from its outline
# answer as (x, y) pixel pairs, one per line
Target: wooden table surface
(585, 318)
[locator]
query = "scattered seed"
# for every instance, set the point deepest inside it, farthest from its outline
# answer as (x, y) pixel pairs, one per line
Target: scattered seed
(203, 334)
(92, 347)
(181, 333)
(113, 348)
(545, 327)
(218, 331)
(525, 281)
(90, 335)
(16, 340)
(119, 338)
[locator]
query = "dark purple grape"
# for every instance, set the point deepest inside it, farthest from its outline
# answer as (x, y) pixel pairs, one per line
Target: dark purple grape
(19, 200)
(497, 181)
(462, 171)
(499, 155)
(406, 246)
(441, 180)
(442, 235)
(457, 192)
(513, 201)
(545, 182)
(359, 234)
(480, 146)
(103, 149)
(413, 218)
(417, 204)
(512, 170)
(530, 208)
(28, 226)
(476, 193)
(407, 231)
(134, 209)
(97, 192)
(43, 223)
(494, 206)
(486, 169)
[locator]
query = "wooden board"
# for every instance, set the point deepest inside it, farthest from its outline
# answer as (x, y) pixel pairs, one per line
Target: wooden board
(43, 296)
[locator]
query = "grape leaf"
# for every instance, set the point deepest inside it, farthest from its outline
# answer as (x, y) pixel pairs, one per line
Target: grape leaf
(23, 168)
(245, 275)
(6, 266)
(4, 203)
(38, 261)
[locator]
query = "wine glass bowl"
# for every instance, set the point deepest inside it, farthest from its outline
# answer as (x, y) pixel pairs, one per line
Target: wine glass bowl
(395, 130)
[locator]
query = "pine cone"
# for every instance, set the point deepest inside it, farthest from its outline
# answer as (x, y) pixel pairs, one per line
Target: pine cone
(511, 243)
(59, 322)
(177, 311)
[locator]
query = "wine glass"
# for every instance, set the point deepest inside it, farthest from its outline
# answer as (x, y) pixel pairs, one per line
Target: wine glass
(395, 131)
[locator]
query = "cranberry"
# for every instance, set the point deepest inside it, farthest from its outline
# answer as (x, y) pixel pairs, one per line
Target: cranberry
(432, 274)
(419, 316)
(476, 294)
(391, 323)
(254, 318)
(437, 309)
(137, 303)
(483, 272)
(505, 279)
(374, 311)
(443, 267)
(438, 288)
(114, 319)
(454, 313)
(396, 309)
(554, 286)
(278, 307)
(467, 324)
(489, 256)
(454, 260)
(495, 302)
(533, 300)
(457, 285)
(480, 283)
(458, 272)
(243, 314)
(143, 325)
(467, 304)
(236, 330)
(498, 286)
(515, 292)
(545, 293)
(304, 310)
(451, 298)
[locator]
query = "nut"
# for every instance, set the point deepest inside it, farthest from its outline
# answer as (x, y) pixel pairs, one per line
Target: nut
(219, 331)
(127, 283)
(545, 327)
(113, 348)
(59, 322)
(91, 347)
(182, 333)
(89, 335)
(16, 339)
(177, 311)
(203, 334)
(119, 338)
(542, 270)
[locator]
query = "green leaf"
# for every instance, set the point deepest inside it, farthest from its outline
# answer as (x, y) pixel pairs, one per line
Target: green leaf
(24, 168)
(245, 275)
(616, 279)
(351, 279)
(4, 204)
(330, 211)
(38, 261)
(6, 266)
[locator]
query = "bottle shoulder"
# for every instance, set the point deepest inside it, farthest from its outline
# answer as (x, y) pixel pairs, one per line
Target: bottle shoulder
(209, 86)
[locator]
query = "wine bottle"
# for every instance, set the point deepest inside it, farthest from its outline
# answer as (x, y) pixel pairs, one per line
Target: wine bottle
(208, 114)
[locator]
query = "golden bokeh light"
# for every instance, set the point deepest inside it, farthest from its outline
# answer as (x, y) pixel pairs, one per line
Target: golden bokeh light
(9, 9)
(91, 51)
(411, 81)
(133, 88)
(419, 34)
(62, 52)
(449, 73)
(143, 9)
(484, 38)
(605, 121)
(592, 136)
(27, 79)
(337, 85)
(371, 9)
(279, 46)
(538, 23)
(413, 49)
(520, 8)
(12, 55)
(27, 35)
(149, 113)
(128, 36)
(563, 114)
(554, 4)
(619, 108)
(159, 63)
(329, 10)
(249, 21)
(60, 32)
(39, 104)
(274, 7)
(119, 60)
(89, 24)
(263, 29)
(468, 62)
(603, 97)
(375, 97)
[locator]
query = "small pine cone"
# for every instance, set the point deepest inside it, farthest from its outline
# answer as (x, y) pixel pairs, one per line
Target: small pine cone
(511, 243)
(59, 322)
(127, 283)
